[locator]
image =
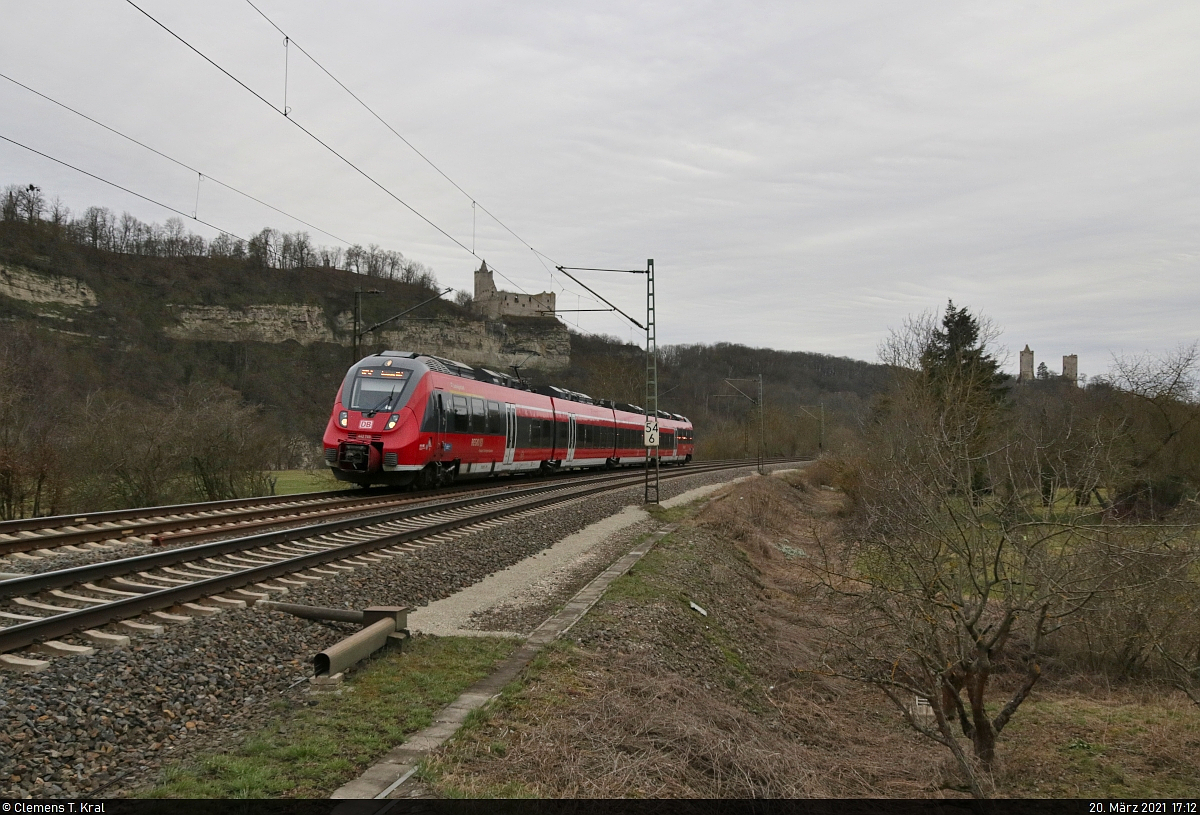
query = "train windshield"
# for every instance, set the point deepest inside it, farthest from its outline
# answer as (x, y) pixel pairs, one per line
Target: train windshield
(378, 389)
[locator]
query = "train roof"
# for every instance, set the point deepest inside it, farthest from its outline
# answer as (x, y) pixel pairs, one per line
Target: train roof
(428, 362)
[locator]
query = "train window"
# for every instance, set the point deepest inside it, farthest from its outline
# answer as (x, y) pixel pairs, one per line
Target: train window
(462, 419)
(370, 394)
(495, 418)
(547, 433)
(478, 416)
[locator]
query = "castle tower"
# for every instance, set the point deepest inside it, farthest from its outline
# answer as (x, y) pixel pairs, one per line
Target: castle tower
(494, 303)
(485, 286)
(1026, 374)
(1070, 369)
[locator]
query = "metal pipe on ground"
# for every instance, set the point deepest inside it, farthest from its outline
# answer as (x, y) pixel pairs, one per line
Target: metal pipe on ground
(338, 615)
(381, 623)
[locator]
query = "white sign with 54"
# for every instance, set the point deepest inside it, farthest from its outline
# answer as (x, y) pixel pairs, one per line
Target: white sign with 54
(651, 437)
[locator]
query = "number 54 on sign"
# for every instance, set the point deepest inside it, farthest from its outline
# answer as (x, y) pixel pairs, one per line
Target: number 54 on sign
(651, 431)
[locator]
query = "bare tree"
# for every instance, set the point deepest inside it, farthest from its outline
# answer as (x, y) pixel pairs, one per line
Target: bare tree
(31, 203)
(60, 215)
(962, 568)
(1163, 423)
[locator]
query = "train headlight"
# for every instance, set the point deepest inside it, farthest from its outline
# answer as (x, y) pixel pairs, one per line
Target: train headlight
(392, 421)
(344, 418)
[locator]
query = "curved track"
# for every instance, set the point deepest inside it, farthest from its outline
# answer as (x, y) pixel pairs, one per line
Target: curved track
(238, 571)
(190, 522)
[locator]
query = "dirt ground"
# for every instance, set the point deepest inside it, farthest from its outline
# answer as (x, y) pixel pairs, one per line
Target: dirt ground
(689, 679)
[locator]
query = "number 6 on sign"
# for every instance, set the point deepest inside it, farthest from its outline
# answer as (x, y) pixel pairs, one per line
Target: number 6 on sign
(651, 431)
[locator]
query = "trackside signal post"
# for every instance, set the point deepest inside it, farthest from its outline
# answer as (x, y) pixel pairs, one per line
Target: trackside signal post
(651, 407)
(651, 390)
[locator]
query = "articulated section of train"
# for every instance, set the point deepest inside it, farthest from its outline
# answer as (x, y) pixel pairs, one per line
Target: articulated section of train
(403, 418)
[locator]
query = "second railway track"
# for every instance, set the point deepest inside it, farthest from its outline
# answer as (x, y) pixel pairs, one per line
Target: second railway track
(169, 585)
(83, 533)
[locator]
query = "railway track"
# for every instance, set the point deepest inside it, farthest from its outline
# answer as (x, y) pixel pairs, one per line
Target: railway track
(184, 522)
(166, 587)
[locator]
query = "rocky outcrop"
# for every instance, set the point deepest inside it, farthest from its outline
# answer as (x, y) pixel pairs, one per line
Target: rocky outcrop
(20, 283)
(540, 344)
(265, 323)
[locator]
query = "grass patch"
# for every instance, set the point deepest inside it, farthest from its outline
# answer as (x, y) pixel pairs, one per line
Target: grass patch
(1116, 744)
(633, 586)
(485, 735)
(291, 482)
(311, 749)
(672, 515)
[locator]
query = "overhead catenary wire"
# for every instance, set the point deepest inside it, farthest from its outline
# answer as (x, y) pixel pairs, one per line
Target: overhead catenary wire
(290, 41)
(563, 269)
(123, 189)
(384, 122)
(315, 138)
(173, 160)
(355, 167)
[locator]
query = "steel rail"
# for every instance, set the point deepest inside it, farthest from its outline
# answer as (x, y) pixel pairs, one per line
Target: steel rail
(117, 515)
(141, 521)
(351, 508)
(214, 524)
(28, 633)
(61, 578)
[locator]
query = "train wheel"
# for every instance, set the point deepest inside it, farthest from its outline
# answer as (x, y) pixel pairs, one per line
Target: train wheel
(426, 479)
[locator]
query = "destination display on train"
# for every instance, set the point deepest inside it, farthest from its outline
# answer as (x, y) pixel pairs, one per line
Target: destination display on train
(383, 373)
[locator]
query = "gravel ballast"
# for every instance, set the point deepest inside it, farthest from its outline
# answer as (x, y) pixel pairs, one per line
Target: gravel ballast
(104, 724)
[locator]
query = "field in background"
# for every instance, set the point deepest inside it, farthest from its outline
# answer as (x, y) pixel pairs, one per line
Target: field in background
(290, 482)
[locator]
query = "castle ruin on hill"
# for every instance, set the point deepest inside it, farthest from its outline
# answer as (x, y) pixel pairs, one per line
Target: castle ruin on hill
(1070, 367)
(494, 304)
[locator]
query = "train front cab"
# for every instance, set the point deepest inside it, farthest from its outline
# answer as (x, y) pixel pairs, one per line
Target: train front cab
(371, 436)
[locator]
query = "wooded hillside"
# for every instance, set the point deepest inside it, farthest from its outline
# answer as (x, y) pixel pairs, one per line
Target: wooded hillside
(96, 377)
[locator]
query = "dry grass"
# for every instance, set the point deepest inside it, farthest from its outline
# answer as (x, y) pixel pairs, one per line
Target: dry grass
(1084, 741)
(653, 699)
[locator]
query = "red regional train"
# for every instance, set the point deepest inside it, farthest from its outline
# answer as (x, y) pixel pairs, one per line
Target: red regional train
(402, 418)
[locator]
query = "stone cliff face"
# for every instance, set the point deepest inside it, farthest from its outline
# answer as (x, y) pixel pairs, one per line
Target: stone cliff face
(544, 345)
(265, 323)
(24, 284)
(531, 343)
(541, 344)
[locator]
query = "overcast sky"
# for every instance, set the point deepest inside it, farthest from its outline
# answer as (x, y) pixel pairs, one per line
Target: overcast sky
(805, 175)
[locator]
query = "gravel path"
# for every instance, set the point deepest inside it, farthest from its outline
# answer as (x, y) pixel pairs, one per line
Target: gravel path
(103, 725)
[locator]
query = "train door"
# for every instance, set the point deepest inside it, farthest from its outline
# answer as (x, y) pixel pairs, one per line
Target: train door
(570, 438)
(510, 432)
(442, 408)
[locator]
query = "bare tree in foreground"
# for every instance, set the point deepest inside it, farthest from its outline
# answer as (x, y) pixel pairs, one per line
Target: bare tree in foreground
(965, 562)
